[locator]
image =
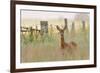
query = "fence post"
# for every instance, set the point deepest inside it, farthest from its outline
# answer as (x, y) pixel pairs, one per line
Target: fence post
(67, 30)
(31, 34)
(73, 30)
(36, 34)
(83, 24)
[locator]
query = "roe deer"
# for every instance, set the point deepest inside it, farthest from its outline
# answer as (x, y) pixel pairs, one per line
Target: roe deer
(64, 45)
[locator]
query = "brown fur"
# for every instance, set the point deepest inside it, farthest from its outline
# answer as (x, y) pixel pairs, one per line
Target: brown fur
(64, 45)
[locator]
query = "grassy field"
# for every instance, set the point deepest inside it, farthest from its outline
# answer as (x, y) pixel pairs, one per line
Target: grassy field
(47, 47)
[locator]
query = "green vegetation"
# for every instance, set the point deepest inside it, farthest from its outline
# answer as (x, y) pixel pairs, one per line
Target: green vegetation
(47, 47)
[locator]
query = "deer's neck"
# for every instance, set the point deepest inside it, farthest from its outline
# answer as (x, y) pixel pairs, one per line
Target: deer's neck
(62, 41)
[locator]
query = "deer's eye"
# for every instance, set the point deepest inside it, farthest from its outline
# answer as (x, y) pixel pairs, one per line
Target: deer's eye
(61, 33)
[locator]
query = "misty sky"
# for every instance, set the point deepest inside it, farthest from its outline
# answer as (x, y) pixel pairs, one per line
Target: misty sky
(45, 15)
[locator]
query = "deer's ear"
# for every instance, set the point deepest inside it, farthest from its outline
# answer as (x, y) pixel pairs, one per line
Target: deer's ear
(58, 28)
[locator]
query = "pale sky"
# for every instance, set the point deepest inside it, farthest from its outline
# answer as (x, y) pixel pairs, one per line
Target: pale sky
(45, 15)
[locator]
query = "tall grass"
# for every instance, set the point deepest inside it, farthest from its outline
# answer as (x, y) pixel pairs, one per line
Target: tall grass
(47, 47)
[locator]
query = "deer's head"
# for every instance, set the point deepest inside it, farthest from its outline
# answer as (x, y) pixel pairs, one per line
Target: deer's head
(61, 31)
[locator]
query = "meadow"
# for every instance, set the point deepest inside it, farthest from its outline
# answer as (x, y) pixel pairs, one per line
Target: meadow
(47, 47)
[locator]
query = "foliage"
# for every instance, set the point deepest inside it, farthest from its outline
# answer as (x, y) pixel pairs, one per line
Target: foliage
(47, 47)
